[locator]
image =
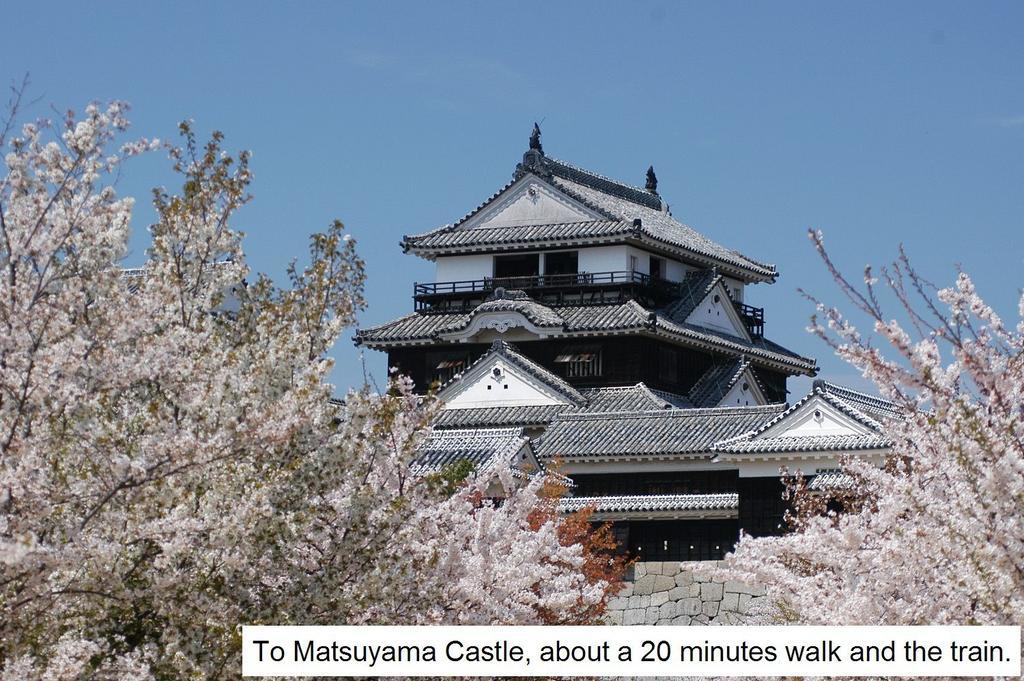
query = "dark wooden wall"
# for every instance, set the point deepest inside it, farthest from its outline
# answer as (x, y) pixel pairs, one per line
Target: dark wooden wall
(625, 360)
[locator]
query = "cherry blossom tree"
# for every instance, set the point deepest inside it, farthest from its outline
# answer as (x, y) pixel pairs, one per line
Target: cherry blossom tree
(171, 463)
(936, 536)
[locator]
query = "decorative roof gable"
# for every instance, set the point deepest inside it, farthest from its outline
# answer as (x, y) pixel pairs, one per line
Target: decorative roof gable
(485, 448)
(625, 398)
(728, 383)
(829, 418)
(503, 377)
(505, 310)
(705, 301)
(529, 201)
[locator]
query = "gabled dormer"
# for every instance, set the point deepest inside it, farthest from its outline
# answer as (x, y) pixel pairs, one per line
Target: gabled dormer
(813, 434)
(728, 383)
(503, 377)
(530, 200)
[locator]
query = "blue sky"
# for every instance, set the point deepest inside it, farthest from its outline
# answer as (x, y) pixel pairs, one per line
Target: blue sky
(879, 123)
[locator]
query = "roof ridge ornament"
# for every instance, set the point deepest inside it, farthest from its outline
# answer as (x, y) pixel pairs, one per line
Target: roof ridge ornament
(652, 181)
(535, 139)
(534, 160)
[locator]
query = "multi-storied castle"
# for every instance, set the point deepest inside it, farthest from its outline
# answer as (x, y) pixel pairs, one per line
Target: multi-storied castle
(574, 318)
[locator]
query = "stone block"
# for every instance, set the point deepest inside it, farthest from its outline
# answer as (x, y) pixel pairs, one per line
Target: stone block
(614, 617)
(695, 590)
(639, 570)
(663, 583)
(627, 590)
(633, 617)
(744, 602)
(700, 619)
(679, 592)
(728, 618)
(681, 620)
(684, 578)
(711, 591)
(659, 598)
(618, 603)
(701, 577)
(653, 567)
(731, 602)
(710, 608)
(670, 569)
(651, 616)
(644, 585)
(667, 610)
(689, 606)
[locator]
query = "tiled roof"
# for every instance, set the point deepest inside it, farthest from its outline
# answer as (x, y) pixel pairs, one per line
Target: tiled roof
(829, 481)
(696, 285)
(757, 347)
(652, 502)
(424, 328)
(875, 408)
(482, 447)
(619, 204)
(568, 232)
(815, 443)
(664, 432)
(625, 398)
(132, 278)
(661, 226)
(717, 381)
(539, 415)
(605, 185)
(411, 327)
(676, 400)
(515, 301)
(852, 403)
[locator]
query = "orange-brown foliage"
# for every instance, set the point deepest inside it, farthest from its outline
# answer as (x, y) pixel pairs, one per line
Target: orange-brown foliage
(604, 563)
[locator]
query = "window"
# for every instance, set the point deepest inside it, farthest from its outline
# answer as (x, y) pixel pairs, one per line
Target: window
(657, 268)
(682, 539)
(444, 367)
(580, 363)
(561, 262)
(507, 266)
(668, 364)
(634, 264)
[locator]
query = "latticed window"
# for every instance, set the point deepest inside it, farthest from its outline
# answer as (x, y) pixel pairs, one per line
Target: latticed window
(580, 363)
(444, 368)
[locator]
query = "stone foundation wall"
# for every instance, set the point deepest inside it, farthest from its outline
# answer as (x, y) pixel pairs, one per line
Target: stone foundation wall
(670, 593)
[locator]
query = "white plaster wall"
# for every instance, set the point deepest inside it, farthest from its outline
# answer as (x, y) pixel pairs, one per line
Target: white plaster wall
(603, 259)
(463, 267)
(734, 285)
(675, 270)
(817, 418)
(738, 397)
(530, 203)
(714, 315)
(511, 390)
(793, 463)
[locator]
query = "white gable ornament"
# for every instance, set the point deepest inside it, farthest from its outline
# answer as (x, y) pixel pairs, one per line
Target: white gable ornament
(530, 201)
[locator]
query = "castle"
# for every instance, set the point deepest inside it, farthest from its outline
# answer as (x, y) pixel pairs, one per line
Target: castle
(572, 317)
